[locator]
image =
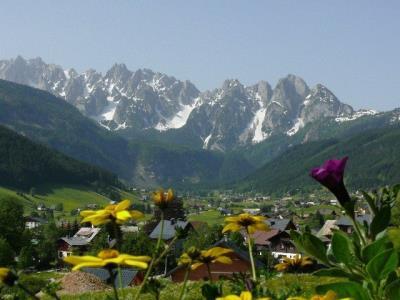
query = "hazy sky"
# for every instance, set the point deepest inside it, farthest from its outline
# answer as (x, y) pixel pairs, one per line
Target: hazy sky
(352, 47)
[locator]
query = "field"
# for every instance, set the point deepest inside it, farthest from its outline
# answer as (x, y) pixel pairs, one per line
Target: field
(280, 287)
(71, 197)
(211, 217)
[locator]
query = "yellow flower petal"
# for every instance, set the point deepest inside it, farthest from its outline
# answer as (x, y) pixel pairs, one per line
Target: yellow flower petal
(246, 296)
(74, 260)
(231, 227)
(123, 215)
(217, 251)
(223, 260)
(135, 263)
(85, 213)
(4, 272)
(123, 205)
(89, 265)
(196, 265)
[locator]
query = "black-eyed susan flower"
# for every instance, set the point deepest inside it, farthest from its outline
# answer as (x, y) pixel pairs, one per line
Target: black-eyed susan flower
(7, 277)
(189, 257)
(163, 199)
(245, 221)
(293, 264)
(212, 255)
(118, 213)
(108, 258)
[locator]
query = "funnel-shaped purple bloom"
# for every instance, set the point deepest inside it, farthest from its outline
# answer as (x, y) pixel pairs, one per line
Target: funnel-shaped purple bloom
(330, 175)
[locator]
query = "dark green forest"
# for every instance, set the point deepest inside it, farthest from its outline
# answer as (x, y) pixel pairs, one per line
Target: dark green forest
(24, 164)
(374, 160)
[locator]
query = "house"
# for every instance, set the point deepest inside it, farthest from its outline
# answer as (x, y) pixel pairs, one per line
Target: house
(79, 242)
(276, 241)
(345, 224)
(252, 211)
(240, 264)
(128, 277)
(281, 224)
(33, 222)
(169, 229)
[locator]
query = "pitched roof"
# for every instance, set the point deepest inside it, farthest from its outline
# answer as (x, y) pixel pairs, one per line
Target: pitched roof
(280, 224)
(326, 229)
(346, 221)
(83, 237)
(263, 237)
(127, 275)
(169, 229)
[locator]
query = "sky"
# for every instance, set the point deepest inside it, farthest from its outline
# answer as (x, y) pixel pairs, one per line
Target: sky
(352, 47)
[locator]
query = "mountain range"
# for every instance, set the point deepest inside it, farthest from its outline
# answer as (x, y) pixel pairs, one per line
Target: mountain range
(149, 103)
(152, 129)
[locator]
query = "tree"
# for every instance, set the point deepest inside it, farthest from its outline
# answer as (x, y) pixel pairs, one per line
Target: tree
(137, 243)
(6, 253)
(26, 257)
(47, 246)
(12, 222)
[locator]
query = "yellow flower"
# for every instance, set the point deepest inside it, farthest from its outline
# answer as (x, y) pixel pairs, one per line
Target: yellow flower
(246, 295)
(162, 199)
(245, 221)
(4, 273)
(293, 264)
(113, 212)
(189, 257)
(213, 255)
(330, 295)
(109, 258)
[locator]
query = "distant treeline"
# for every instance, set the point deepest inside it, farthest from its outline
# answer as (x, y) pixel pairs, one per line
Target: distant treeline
(24, 164)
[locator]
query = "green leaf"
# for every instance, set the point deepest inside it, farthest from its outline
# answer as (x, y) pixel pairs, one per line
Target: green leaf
(297, 240)
(315, 247)
(371, 202)
(371, 250)
(342, 248)
(382, 264)
(345, 290)
(392, 291)
(381, 220)
(394, 237)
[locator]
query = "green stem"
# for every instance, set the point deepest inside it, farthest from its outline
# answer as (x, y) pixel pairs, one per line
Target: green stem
(165, 250)
(183, 290)
(120, 281)
(253, 267)
(152, 263)
(209, 272)
(359, 232)
(112, 277)
(30, 293)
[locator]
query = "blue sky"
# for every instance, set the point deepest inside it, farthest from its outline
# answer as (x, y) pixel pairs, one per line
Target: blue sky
(352, 47)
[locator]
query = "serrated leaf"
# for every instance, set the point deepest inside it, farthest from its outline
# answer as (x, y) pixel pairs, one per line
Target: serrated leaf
(382, 264)
(345, 290)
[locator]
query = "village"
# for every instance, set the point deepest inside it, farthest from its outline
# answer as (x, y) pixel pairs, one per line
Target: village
(197, 221)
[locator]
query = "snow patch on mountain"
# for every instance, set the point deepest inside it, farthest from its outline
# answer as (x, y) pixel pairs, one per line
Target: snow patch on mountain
(298, 124)
(356, 115)
(179, 120)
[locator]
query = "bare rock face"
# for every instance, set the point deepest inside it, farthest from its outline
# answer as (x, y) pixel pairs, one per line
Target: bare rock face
(221, 119)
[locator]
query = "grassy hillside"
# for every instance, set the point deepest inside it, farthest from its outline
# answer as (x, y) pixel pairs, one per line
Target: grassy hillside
(71, 196)
(374, 160)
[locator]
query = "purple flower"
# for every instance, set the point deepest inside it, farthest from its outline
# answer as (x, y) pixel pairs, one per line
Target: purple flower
(330, 175)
